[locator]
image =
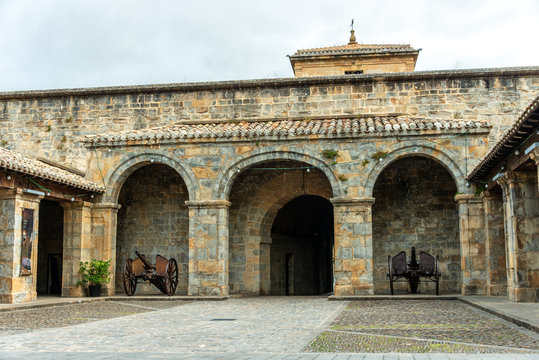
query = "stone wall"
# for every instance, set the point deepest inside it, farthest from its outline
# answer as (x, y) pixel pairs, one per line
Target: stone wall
(50, 123)
(154, 220)
(414, 207)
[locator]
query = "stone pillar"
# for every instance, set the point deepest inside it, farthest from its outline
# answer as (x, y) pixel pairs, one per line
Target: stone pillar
(208, 247)
(534, 155)
(521, 218)
(78, 245)
(265, 266)
(14, 287)
(104, 226)
(472, 244)
(353, 267)
(495, 243)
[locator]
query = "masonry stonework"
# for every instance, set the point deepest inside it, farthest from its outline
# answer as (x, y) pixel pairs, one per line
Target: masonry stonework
(235, 153)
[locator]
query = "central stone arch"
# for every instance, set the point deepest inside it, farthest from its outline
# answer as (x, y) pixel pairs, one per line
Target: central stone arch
(225, 180)
(256, 196)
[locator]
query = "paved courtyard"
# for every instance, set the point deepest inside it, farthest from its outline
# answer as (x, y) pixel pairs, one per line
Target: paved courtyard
(258, 328)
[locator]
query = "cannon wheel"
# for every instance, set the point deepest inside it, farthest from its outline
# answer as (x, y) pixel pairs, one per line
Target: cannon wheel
(437, 277)
(171, 277)
(390, 267)
(130, 280)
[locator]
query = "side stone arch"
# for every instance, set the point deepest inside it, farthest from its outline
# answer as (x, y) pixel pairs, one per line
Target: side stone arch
(130, 163)
(422, 150)
(225, 180)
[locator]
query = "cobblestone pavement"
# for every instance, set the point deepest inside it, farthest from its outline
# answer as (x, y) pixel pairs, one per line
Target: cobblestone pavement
(421, 326)
(241, 328)
(25, 320)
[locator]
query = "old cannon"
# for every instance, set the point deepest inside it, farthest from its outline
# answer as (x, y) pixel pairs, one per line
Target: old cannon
(427, 268)
(163, 275)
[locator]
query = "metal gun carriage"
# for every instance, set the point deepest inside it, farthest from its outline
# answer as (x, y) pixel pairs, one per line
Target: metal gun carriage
(163, 275)
(427, 268)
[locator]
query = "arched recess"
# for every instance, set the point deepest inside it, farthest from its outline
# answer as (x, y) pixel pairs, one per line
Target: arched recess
(302, 241)
(226, 179)
(256, 196)
(130, 163)
(424, 150)
(414, 206)
(153, 219)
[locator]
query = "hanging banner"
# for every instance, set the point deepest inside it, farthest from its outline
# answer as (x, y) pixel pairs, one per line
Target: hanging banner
(27, 240)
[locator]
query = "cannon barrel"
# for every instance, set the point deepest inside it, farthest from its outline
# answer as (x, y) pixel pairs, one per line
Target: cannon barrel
(147, 264)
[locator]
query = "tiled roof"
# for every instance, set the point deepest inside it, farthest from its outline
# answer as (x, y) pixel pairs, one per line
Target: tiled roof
(11, 160)
(346, 127)
(355, 49)
(526, 124)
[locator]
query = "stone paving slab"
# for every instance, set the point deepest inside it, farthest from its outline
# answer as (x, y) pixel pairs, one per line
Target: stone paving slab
(262, 324)
(18, 355)
(240, 328)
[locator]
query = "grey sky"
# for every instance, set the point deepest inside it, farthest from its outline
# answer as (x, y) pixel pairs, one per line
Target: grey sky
(75, 43)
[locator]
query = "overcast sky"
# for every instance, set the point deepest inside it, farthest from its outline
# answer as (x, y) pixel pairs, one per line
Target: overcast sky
(75, 43)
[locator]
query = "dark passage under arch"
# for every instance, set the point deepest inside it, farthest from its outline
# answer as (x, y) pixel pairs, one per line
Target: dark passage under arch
(302, 247)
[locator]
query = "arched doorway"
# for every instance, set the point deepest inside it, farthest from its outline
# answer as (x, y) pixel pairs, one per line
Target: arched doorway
(302, 247)
(50, 248)
(256, 196)
(415, 207)
(153, 219)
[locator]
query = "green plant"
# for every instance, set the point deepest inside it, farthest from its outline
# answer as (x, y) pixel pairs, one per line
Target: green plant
(48, 129)
(342, 177)
(365, 162)
(94, 272)
(69, 119)
(379, 155)
(330, 154)
(4, 143)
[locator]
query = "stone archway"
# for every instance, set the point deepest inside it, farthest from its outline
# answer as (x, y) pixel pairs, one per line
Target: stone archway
(256, 195)
(301, 249)
(153, 219)
(415, 207)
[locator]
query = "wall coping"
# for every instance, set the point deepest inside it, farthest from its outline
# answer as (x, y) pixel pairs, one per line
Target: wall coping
(268, 83)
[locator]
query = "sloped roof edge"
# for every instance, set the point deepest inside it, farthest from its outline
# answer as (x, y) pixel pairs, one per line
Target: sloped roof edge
(14, 161)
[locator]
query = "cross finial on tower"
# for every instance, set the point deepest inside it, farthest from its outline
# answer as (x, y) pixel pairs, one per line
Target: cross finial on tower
(352, 36)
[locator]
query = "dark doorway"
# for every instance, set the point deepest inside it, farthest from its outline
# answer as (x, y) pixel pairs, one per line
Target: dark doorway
(302, 247)
(50, 248)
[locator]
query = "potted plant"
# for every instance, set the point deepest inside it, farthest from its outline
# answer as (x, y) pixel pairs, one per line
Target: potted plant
(94, 273)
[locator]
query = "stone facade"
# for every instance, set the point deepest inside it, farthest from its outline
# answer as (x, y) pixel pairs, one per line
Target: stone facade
(222, 194)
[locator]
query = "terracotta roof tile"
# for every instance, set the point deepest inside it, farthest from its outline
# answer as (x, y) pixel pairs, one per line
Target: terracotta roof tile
(355, 49)
(11, 160)
(349, 127)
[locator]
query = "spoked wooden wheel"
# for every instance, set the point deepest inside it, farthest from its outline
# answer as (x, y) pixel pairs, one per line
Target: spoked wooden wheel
(130, 280)
(171, 277)
(437, 277)
(390, 267)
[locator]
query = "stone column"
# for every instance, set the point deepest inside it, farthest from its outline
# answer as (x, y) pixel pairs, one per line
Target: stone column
(208, 247)
(521, 218)
(78, 245)
(104, 226)
(265, 266)
(495, 243)
(472, 244)
(14, 287)
(534, 155)
(353, 267)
